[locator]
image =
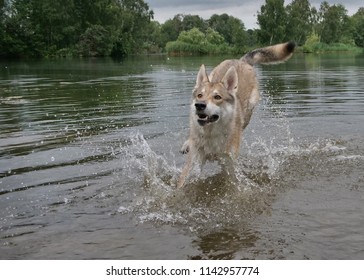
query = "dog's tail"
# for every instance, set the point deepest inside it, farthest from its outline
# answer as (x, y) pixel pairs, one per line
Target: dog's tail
(270, 55)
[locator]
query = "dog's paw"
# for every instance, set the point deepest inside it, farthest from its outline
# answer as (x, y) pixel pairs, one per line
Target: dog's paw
(185, 148)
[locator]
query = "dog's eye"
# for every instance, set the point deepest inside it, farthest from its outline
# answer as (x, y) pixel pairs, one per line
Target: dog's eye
(199, 95)
(217, 97)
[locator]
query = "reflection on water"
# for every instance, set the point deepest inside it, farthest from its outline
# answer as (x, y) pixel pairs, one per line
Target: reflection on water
(89, 163)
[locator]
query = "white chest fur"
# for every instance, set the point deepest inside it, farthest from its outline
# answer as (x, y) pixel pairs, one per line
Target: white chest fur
(210, 141)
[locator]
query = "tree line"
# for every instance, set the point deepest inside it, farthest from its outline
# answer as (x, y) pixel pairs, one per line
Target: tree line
(43, 28)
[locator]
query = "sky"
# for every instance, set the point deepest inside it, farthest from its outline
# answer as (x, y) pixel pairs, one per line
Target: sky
(246, 10)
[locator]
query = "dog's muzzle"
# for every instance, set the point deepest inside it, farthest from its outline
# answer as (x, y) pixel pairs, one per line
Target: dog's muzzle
(204, 118)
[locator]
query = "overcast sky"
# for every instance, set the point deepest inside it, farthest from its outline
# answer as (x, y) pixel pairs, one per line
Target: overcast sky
(246, 10)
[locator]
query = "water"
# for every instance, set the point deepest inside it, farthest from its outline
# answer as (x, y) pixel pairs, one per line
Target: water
(89, 161)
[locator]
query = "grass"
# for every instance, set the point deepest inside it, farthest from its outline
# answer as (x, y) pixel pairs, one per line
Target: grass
(322, 48)
(183, 48)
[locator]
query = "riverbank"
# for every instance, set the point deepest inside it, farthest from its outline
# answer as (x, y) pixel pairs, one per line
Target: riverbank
(319, 48)
(325, 48)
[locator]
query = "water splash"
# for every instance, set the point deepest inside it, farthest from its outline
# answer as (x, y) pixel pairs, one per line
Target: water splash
(139, 159)
(214, 200)
(207, 202)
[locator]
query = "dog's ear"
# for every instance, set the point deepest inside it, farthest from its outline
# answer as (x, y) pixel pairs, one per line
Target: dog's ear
(230, 80)
(201, 76)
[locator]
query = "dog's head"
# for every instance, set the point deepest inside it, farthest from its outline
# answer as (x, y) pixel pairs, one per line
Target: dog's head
(211, 101)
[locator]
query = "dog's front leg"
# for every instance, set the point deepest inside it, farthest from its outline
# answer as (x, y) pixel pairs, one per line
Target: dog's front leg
(185, 147)
(185, 171)
(227, 165)
(227, 169)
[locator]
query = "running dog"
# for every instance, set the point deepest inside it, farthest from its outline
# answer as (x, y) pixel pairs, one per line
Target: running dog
(222, 104)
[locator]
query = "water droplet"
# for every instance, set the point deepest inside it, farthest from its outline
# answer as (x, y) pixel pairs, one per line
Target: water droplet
(123, 210)
(52, 159)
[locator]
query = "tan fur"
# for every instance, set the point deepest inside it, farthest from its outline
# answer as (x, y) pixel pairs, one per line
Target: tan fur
(222, 105)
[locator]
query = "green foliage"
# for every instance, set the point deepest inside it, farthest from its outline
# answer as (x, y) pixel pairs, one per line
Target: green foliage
(194, 36)
(95, 42)
(358, 27)
(323, 47)
(219, 34)
(171, 29)
(68, 27)
(334, 26)
(312, 40)
(314, 45)
(42, 28)
(196, 42)
(231, 28)
(154, 42)
(272, 21)
(213, 37)
(298, 21)
(301, 22)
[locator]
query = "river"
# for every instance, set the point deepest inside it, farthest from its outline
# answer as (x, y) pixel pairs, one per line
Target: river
(89, 158)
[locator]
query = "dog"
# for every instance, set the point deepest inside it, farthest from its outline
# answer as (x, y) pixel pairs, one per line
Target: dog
(222, 105)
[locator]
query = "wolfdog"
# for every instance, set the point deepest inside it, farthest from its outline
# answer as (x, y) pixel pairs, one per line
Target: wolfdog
(221, 107)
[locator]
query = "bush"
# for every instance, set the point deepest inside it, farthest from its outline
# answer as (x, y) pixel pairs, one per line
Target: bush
(66, 52)
(312, 43)
(195, 42)
(193, 36)
(322, 47)
(213, 37)
(178, 47)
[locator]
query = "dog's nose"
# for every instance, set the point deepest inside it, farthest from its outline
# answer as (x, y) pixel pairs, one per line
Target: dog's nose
(200, 106)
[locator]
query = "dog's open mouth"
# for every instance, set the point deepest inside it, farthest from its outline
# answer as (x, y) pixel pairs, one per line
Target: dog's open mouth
(204, 119)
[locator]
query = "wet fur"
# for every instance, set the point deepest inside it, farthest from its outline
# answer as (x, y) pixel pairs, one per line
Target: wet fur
(222, 105)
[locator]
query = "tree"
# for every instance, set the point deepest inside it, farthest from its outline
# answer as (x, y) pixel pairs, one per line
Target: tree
(51, 27)
(131, 29)
(95, 42)
(358, 27)
(49, 20)
(220, 24)
(155, 41)
(19, 38)
(193, 21)
(299, 26)
(239, 36)
(334, 26)
(214, 37)
(272, 20)
(195, 41)
(231, 28)
(193, 36)
(171, 29)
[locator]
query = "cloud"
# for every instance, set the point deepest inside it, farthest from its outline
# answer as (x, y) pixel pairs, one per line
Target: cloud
(193, 3)
(245, 10)
(351, 5)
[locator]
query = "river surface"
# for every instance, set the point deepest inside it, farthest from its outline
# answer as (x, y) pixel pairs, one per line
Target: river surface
(89, 158)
